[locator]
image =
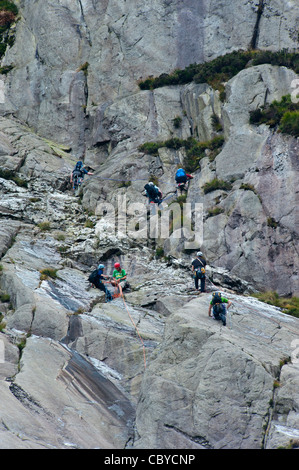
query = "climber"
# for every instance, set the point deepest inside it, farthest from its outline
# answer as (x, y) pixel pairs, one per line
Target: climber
(199, 271)
(218, 303)
(78, 173)
(153, 193)
(182, 179)
(96, 279)
(119, 277)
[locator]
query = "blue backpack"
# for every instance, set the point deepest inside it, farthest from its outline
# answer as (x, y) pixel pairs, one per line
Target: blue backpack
(180, 176)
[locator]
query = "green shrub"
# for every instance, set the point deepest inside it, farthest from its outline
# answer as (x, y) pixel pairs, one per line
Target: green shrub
(177, 122)
(289, 123)
(216, 184)
(8, 6)
(150, 147)
(6, 69)
(221, 69)
(280, 58)
(283, 114)
(195, 150)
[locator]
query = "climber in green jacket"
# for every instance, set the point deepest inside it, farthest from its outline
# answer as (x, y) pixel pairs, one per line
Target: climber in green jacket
(218, 304)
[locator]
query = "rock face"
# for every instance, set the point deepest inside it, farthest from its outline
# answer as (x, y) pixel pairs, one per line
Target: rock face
(121, 43)
(214, 379)
(150, 369)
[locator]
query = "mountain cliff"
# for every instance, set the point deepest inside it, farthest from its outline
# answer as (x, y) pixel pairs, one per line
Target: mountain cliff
(136, 90)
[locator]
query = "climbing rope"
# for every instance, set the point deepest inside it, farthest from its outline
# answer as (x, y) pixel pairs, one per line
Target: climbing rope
(133, 323)
(118, 292)
(127, 180)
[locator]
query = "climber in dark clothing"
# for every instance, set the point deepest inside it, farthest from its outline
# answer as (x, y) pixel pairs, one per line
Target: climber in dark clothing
(153, 193)
(199, 271)
(97, 277)
(78, 174)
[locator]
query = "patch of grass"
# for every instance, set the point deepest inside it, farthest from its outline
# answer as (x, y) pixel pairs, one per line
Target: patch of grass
(35, 199)
(84, 68)
(154, 179)
(288, 305)
(125, 184)
(283, 114)
(22, 345)
(2, 323)
(44, 226)
(181, 200)
(159, 252)
(276, 384)
(4, 298)
(248, 187)
(89, 224)
(216, 123)
(48, 272)
(216, 184)
(214, 211)
(60, 237)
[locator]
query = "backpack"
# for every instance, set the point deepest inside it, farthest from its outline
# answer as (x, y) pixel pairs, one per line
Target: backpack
(151, 190)
(79, 165)
(216, 298)
(181, 176)
(217, 304)
(200, 272)
(93, 276)
(78, 169)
